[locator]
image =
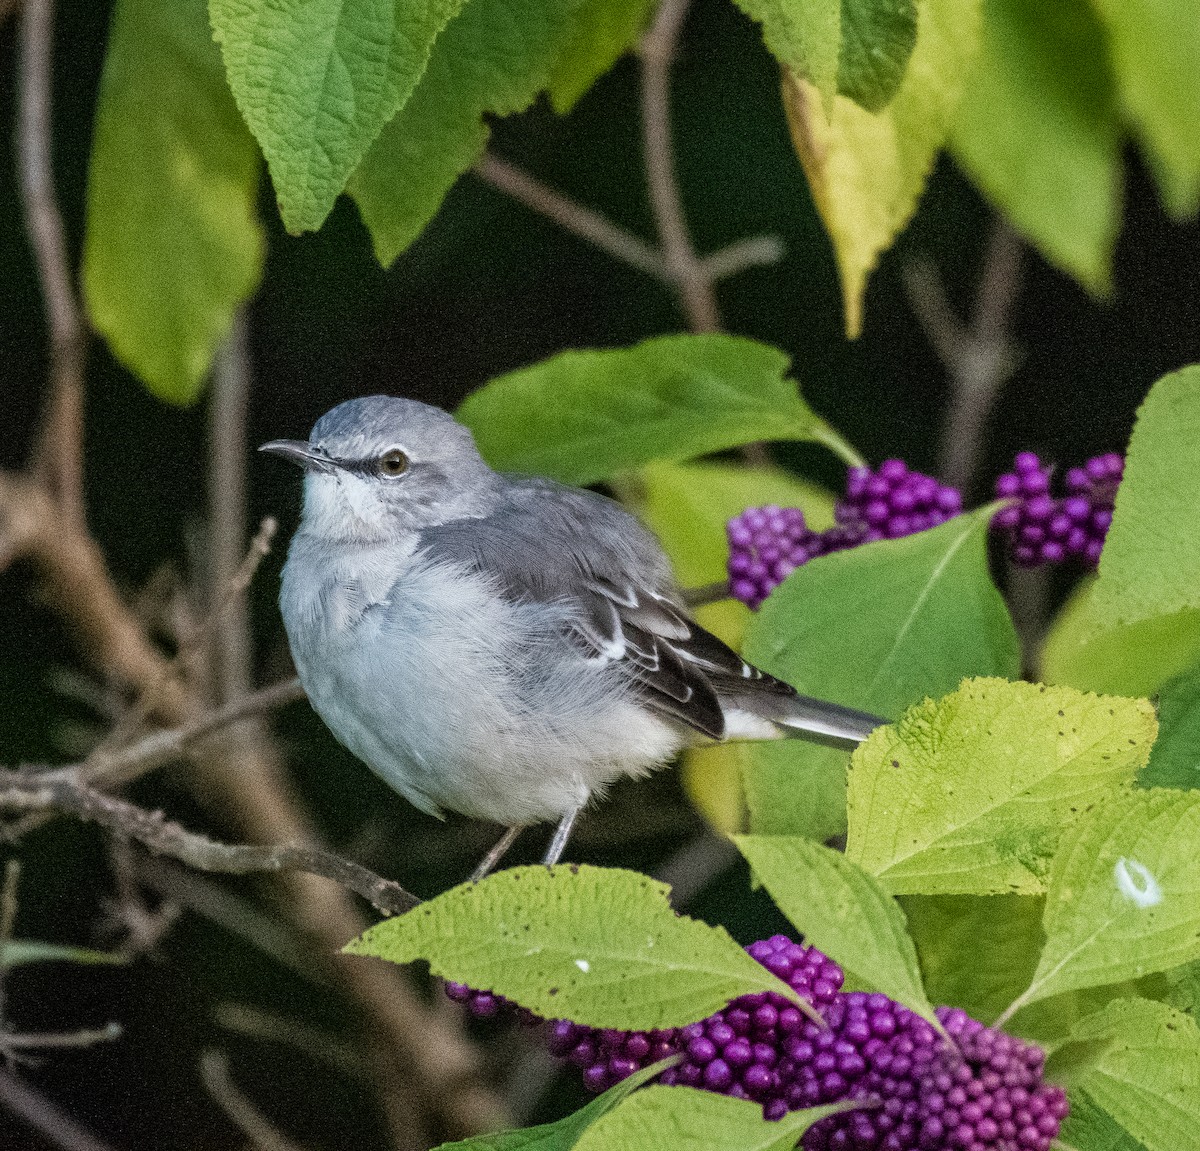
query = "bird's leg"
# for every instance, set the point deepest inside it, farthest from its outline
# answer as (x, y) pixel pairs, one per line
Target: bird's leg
(561, 834)
(497, 853)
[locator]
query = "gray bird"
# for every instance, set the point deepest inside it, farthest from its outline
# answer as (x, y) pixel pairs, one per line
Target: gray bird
(498, 645)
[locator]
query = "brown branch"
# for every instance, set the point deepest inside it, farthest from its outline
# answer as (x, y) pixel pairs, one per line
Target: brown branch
(214, 1071)
(45, 1116)
(694, 284)
(58, 457)
(20, 792)
(707, 593)
(980, 356)
(573, 217)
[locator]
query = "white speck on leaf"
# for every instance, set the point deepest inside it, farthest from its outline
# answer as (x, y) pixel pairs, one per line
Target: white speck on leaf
(583, 965)
(1135, 882)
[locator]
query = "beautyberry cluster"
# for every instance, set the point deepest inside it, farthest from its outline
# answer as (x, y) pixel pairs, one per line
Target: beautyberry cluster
(974, 1089)
(1044, 528)
(767, 544)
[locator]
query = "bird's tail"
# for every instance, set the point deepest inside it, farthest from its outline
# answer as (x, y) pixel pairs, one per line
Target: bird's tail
(802, 717)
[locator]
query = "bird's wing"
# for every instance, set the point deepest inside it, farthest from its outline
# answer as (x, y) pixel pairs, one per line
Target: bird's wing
(553, 544)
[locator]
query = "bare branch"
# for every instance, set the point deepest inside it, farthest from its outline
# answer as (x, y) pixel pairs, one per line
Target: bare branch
(707, 593)
(155, 831)
(574, 217)
(693, 282)
(11, 1041)
(59, 453)
(214, 1070)
(754, 252)
(320, 1045)
(45, 1116)
(8, 920)
(979, 357)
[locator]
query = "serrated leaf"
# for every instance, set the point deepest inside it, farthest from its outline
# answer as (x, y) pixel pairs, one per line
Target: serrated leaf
(970, 793)
(172, 244)
(1126, 659)
(493, 58)
(1148, 1077)
(17, 952)
(878, 37)
(1154, 46)
(1175, 757)
(866, 170)
(584, 416)
(686, 1119)
(876, 627)
(1150, 565)
(1124, 894)
(843, 911)
(687, 506)
(805, 36)
(1090, 1129)
(597, 945)
(977, 951)
(316, 80)
(566, 1132)
(1038, 131)
(603, 31)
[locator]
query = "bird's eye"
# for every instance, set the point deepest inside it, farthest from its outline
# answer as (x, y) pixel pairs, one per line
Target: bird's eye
(393, 463)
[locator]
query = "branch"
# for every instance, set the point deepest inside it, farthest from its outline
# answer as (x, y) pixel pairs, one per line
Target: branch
(576, 218)
(59, 452)
(57, 1040)
(33, 793)
(692, 279)
(979, 357)
(45, 1116)
(214, 1070)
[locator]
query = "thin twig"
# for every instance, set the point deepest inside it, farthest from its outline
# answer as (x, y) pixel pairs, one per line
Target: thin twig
(8, 920)
(58, 457)
(707, 593)
(214, 1071)
(979, 357)
(320, 1045)
(57, 1040)
(692, 278)
(574, 217)
(161, 835)
(45, 1116)
(753, 252)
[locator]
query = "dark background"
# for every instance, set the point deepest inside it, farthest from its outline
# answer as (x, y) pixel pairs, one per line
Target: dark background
(488, 288)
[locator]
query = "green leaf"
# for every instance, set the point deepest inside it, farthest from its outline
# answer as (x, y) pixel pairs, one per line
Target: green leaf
(867, 170)
(1148, 1077)
(1090, 1129)
(687, 507)
(599, 946)
(838, 907)
(805, 36)
(566, 1132)
(584, 416)
(1155, 45)
(1038, 131)
(970, 793)
(878, 37)
(1183, 987)
(603, 31)
(1151, 560)
(686, 1119)
(316, 80)
(172, 244)
(977, 951)
(493, 58)
(17, 952)
(1124, 894)
(876, 627)
(1126, 659)
(1175, 756)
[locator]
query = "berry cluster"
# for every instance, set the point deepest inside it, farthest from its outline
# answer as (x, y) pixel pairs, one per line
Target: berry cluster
(1043, 528)
(767, 544)
(978, 1090)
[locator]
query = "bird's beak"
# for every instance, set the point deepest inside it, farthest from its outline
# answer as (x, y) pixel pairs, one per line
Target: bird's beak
(298, 452)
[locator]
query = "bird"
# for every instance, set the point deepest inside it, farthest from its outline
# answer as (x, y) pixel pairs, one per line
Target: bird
(499, 645)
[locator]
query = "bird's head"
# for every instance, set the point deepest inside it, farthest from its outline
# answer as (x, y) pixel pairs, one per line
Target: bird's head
(378, 467)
